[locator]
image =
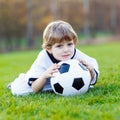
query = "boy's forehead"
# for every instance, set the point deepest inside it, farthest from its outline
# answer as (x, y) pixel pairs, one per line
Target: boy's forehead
(64, 41)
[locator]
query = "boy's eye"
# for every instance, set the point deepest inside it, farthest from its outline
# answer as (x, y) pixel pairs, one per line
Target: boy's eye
(69, 44)
(59, 46)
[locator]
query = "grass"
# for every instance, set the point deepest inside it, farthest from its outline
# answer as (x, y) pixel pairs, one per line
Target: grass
(100, 103)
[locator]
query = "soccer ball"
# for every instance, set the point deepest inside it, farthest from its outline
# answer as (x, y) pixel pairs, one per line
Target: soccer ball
(73, 78)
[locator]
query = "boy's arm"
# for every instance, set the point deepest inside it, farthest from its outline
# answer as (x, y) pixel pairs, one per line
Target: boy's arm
(38, 84)
(94, 73)
(94, 79)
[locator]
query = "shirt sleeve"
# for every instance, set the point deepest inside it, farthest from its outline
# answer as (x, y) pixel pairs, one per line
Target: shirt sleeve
(37, 68)
(94, 80)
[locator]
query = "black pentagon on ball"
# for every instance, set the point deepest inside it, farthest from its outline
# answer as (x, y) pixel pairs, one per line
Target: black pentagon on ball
(64, 68)
(58, 88)
(78, 83)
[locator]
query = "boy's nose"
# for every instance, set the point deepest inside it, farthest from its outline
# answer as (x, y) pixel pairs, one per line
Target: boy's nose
(65, 48)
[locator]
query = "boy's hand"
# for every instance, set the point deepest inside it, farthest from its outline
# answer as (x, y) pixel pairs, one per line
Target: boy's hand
(89, 67)
(51, 70)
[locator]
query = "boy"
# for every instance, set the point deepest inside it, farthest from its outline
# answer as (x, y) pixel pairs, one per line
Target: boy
(59, 40)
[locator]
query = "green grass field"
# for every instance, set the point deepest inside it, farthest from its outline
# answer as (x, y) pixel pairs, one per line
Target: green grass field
(100, 103)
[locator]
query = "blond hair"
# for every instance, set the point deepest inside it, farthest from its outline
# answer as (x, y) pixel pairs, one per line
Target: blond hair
(58, 32)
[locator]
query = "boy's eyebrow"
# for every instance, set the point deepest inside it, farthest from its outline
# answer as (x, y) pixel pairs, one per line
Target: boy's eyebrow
(59, 44)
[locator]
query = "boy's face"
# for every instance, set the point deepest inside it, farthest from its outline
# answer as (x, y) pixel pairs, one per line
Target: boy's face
(63, 51)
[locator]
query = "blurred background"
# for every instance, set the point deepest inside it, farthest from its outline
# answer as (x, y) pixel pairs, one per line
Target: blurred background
(22, 22)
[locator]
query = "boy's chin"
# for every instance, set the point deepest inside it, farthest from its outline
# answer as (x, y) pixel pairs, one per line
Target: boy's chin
(64, 59)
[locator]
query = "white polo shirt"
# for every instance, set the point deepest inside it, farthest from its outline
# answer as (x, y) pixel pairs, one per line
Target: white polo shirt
(22, 84)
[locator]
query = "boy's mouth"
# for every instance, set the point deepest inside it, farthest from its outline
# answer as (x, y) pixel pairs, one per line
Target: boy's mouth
(66, 56)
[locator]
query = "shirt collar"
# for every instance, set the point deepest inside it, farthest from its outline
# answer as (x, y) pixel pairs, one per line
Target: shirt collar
(54, 60)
